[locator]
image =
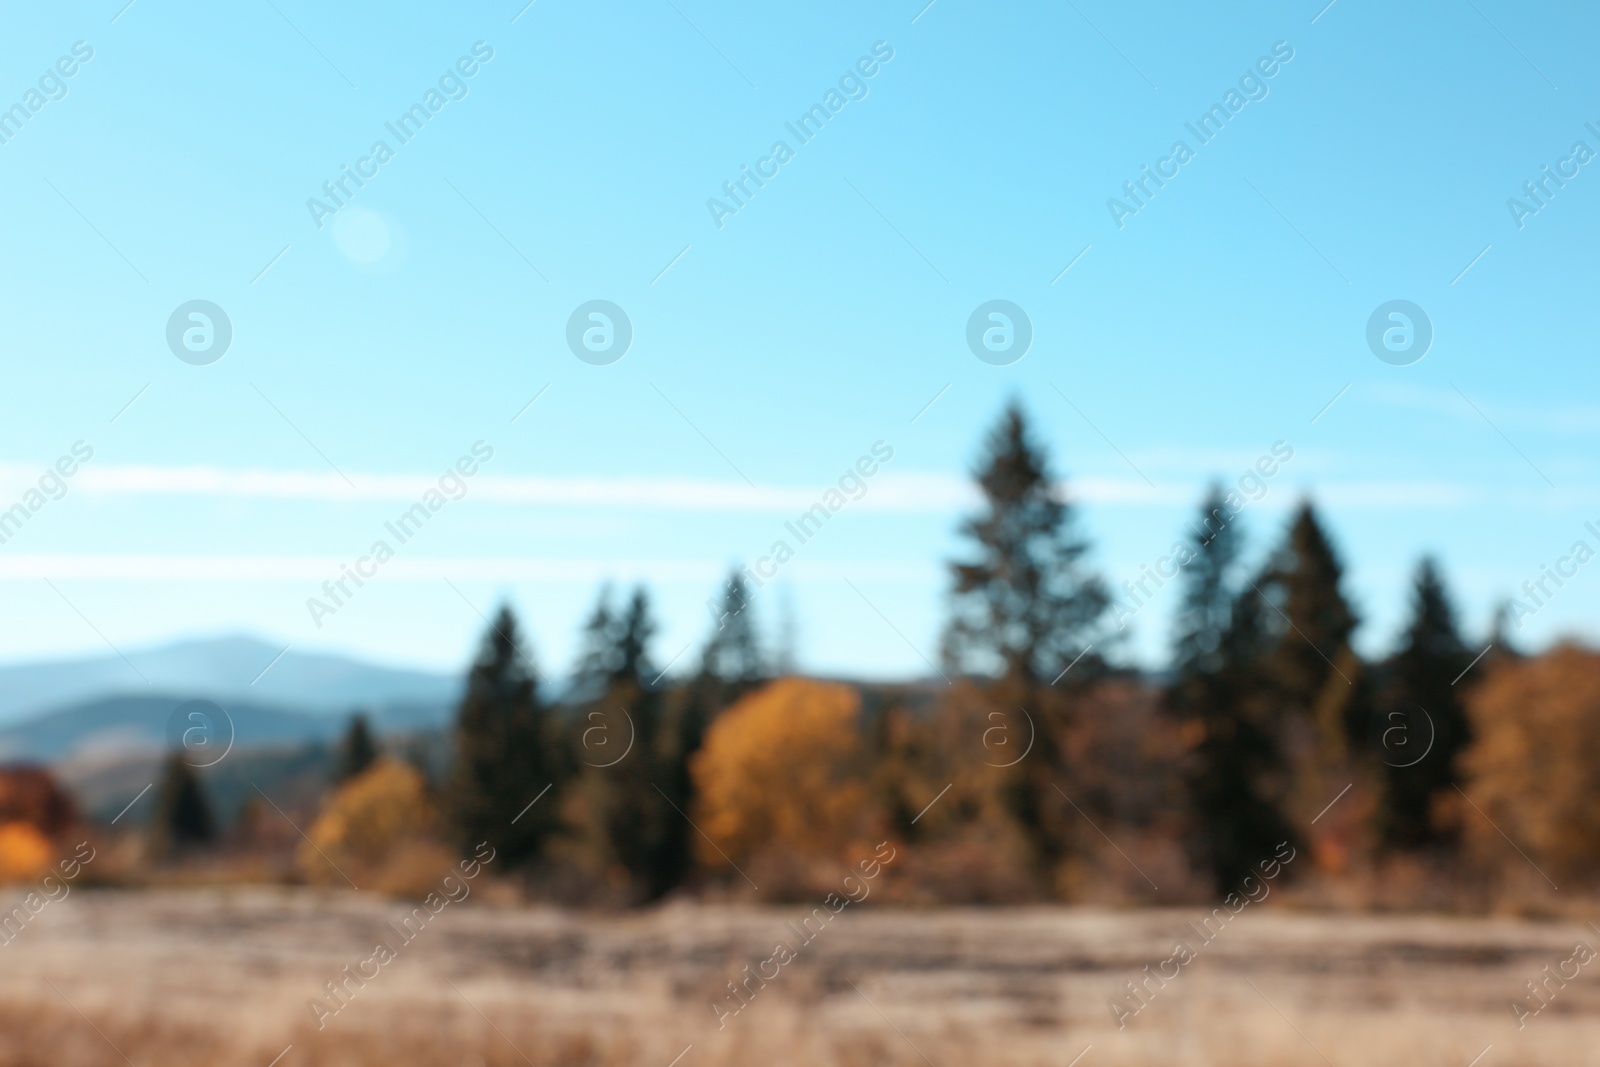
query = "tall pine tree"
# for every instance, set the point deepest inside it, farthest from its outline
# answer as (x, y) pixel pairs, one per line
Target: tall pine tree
(733, 654)
(627, 751)
(1024, 609)
(731, 665)
(1424, 726)
(1322, 690)
(506, 754)
(1217, 690)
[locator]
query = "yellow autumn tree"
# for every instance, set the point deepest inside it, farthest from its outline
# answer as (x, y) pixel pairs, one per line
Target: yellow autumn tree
(1532, 766)
(24, 852)
(779, 776)
(377, 830)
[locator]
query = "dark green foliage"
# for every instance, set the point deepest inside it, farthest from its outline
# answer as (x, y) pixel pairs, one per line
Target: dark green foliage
(1422, 705)
(733, 654)
(357, 750)
(731, 665)
(1219, 641)
(1321, 690)
(1316, 620)
(1023, 608)
(183, 819)
(505, 754)
(628, 753)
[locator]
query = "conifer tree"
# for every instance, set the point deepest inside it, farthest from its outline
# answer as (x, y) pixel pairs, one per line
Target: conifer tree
(183, 818)
(733, 653)
(731, 665)
(1308, 574)
(357, 750)
(1420, 751)
(505, 755)
(627, 751)
(1217, 687)
(1024, 608)
(1320, 686)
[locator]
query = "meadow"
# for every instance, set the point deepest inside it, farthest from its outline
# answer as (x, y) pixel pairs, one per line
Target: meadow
(224, 976)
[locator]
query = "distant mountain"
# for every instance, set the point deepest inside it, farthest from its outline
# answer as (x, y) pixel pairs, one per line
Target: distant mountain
(222, 669)
(113, 729)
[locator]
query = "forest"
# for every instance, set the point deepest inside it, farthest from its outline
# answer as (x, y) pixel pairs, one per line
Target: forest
(1027, 766)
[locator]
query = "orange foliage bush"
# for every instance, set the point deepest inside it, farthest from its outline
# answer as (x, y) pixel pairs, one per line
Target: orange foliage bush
(779, 775)
(25, 853)
(378, 830)
(1532, 768)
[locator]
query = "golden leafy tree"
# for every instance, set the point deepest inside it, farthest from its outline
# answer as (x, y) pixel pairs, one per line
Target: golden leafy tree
(25, 853)
(377, 829)
(779, 776)
(1531, 769)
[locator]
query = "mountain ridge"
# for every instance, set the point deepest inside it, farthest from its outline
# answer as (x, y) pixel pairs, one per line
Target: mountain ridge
(235, 667)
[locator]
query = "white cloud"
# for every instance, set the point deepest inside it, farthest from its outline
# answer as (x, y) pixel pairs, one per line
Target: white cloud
(890, 490)
(315, 569)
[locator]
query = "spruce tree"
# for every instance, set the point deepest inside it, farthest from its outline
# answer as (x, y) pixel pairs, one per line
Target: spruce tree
(1319, 620)
(357, 750)
(628, 753)
(1424, 726)
(1023, 609)
(1217, 687)
(731, 665)
(1205, 608)
(1023, 606)
(1321, 688)
(505, 755)
(733, 653)
(183, 819)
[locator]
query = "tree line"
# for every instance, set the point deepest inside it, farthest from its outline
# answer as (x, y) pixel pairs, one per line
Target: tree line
(1265, 729)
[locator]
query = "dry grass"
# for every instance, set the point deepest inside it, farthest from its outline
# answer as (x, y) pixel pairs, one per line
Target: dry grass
(223, 977)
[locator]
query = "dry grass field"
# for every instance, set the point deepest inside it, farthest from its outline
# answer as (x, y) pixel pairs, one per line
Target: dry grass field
(224, 977)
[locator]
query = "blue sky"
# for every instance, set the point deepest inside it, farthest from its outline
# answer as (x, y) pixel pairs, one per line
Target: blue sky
(771, 352)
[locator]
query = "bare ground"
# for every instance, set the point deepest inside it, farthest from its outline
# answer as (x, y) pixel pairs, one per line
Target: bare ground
(225, 977)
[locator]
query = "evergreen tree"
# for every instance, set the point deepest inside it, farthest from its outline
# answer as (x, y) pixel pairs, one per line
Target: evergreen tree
(183, 818)
(1319, 684)
(629, 754)
(1206, 607)
(1319, 619)
(505, 756)
(1024, 609)
(731, 665)
(615, 646)
(357, 750)
(733, 654)
(1421, 677)
(597, 650)
(1217, 647)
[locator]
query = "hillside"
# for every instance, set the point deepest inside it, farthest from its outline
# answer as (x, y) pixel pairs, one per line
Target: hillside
(236, 668)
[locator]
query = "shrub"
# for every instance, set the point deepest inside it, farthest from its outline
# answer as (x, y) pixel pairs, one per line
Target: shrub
(25, 853)
(779, 778)
(378, 830)
(1537, 724)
